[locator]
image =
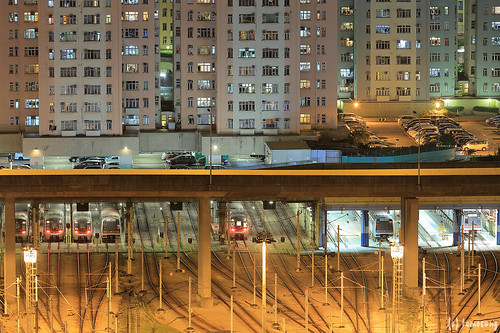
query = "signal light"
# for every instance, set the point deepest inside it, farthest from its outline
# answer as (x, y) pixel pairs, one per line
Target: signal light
(269, 204)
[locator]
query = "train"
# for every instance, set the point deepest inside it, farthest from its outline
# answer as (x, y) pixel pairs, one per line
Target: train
(23, 222)
(238, 226)
(383, 227)
(470, 217)
(82, 226)
(110, 222)
(53, 225)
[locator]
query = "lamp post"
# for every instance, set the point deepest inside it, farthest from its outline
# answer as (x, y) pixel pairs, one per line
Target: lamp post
(397, 256)
(263, 237)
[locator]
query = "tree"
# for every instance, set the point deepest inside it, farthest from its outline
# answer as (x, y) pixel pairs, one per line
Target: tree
(359, 137)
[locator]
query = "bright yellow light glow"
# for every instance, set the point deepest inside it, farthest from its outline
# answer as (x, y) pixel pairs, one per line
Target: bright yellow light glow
(438, 105)
(356, 104)
(30, 255)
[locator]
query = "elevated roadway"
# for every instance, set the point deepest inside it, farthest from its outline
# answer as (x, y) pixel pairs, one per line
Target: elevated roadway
(465, 180)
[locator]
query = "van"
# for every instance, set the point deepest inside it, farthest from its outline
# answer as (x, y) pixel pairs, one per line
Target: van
(476, 145)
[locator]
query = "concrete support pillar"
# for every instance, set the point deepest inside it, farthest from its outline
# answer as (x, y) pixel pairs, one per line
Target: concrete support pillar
(498, 226)
(409, 239)
(35, 227)
(221, 214)
(315, 228)
(321, 212)
(204, 254)
(9, 259)
(365, 228)
(457, 222)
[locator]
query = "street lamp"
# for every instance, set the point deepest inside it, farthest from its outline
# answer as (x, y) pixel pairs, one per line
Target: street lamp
(263, 237)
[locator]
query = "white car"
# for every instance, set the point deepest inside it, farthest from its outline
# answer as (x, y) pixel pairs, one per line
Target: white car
(476, 145)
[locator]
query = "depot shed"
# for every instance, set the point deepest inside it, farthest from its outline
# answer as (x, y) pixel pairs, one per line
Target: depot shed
(287, 152)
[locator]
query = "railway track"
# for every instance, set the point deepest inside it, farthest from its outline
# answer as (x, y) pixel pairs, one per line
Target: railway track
(221, 292)
(93, 287)
(247, 283)
(469, 302)
(291, 230)
(177, 307)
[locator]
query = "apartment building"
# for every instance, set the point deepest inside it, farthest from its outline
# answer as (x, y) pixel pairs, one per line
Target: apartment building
(93, 67)
(482, 48)
(417, 51)
(254, 66)
(81, 67)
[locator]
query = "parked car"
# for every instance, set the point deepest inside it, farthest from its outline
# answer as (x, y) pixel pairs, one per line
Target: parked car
(173, 153)
(111, 165)
(405, 118)
(90, 164)
(16, 166)
(188, 160)
(493, 120)
(476, 145)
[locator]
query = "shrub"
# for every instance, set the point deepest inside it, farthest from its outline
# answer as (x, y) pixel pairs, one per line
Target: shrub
(492, 109)
(359, 138)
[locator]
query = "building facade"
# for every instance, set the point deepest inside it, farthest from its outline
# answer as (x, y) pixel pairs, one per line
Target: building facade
(401, 51)
(254, 66)
(81, 67)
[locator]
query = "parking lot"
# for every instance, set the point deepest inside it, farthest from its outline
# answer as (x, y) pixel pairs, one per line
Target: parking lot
(391, 132)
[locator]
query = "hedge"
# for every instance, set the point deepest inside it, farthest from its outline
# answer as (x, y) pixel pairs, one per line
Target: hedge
(485, 109)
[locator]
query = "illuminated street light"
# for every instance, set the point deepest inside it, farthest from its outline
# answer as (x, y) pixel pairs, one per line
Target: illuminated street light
(438, 105)
(30, 256)
(263, 237)
(356, 104)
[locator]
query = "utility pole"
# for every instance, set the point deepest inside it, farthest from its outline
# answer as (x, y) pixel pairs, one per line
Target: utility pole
(298, 269)
(166, 235)
(129, 238)
(178, 242)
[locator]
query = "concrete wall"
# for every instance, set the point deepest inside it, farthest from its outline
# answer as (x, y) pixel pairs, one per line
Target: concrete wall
(10, 143)
(287, 156)
(80, 146)
(144, 143)
(243, 145)
(395, 109)
(468, 104)
(160, 142)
